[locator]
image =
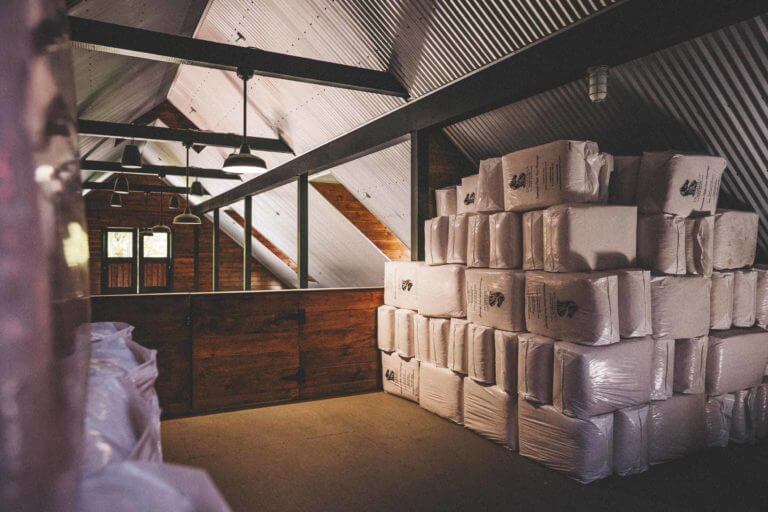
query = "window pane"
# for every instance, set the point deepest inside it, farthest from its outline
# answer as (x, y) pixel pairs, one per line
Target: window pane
(156, 245)
(119, 244)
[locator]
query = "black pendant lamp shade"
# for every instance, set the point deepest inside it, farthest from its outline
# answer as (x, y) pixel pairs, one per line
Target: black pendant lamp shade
(115, 201)
(242, 161)
(121, 185)
(197, 189)
(174, 204)
(146, 231)
(131, 157)
(187, 217)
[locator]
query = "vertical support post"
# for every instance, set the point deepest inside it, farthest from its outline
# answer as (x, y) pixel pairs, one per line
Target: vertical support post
(419, 191)
(247, 241)
(216, 239)
(196, 260)
(302, 230)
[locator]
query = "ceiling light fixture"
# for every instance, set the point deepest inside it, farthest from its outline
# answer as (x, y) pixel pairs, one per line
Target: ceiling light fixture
(116, 201)
(242, 161)
(187, 217)
(131, 157)
(174, 204)
(121, 185)
(197, 189)
(598, 83)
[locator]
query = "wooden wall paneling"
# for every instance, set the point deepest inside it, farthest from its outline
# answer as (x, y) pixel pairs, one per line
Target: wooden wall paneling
(245, 349)
(447, 165)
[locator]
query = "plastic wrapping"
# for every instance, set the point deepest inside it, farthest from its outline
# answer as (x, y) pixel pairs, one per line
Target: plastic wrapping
(721, 301)
(742, 430)
(466, 195)
(422, 342)
(761, 296)
(441, 391)
(661, 243)
(680, 306)
(606, 161)
(445, 201)
(457, 345)
(436, 241)
(744, 296)
(457, 238)
(735, 239)
(630, 440)
(634, 302)
(491, 412)
(589, 381)
(400, 283)
(670, 182)
(623, 186)
(490, 186)
(676, 427)
(533, 240)
(439, 334)
(691, 365)
(584, 237)
(662, 368)
(558, 172)
(736, 360)
(582, 308)
(441, 293)
(717, 416)
(506, 240)
(535, 368)
(400, 376)
(481, 359)
(760, 414)
(506, 351)
(478, 241)
(139, 363)
(582, 449)
(699, 245)
(385, 328)
(405, 340)
(496, 298)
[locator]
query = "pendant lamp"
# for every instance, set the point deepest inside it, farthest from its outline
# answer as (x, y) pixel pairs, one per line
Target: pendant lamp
(121, 185)
(187, 217)
(174, 204)
(131, 157)
(160, 226)
(115, 201)
(197, 189)
(242, 161)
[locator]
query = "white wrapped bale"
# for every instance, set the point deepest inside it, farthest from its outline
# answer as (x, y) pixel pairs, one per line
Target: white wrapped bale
(404, 335)
(441, 292)
(606, 162)
(457, 238)
(761, 297)
(496, 298)
(677, 184)
(445, 201)
(663, 368)
(589, 381)
(735, 239)
(490, 186)
(582, 308)
(742, 431)
(744, 296)
(623, 186)
(680, 306)
(458, 332)
(506, 240)
(634, 302)
(691, 365)
(506, 351)
(535, 368)
(436, 241)
(558, 172)
(736, 360)
(582, 449)
(421, 338)
(721, 301)
(699, 245)
(760, 416)
(630, 440)
(533, 240)
(441, 392)
(400, 283)
(481, 359)
(478, 241)
(400, 376)
(385, 328)
(676, 427)
(491, 412)
(718, 411)
(661, 243)
(439, 339)
(466, 195)
(583, 237)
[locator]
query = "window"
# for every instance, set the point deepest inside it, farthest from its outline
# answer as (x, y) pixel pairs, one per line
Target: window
(156, 264)
(118, 260)
(119, 244)
(155, 245)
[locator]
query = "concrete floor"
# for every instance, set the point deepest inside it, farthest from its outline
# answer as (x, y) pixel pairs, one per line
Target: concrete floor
(376, 452)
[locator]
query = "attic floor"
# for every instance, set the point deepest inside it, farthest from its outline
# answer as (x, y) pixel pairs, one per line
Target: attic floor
(376, 452)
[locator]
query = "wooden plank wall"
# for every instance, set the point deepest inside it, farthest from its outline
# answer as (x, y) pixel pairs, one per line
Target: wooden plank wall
(234, 350)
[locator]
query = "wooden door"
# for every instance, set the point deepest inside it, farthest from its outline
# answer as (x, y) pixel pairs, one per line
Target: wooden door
(118, 260)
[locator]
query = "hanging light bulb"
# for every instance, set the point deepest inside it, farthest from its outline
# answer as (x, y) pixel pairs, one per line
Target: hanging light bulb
(243, 161)
(174, 204)
(121, 185)
(131, 157)
(115, 201)
(598, 83)
(197, 189)
(187, 217)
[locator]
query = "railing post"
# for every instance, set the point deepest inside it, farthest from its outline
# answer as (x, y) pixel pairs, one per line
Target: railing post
(302, 228)
(247, 241)
(216, 239)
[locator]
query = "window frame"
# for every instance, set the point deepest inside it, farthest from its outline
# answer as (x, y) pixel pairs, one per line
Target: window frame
(168, 260)
(106, 261)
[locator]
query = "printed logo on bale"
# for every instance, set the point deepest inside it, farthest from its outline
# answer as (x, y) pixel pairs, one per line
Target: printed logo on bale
(517, 181)
(566, 308)
(406, 285)
(469, 198)
(389, 375)
(689, 188)
(495, 299)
